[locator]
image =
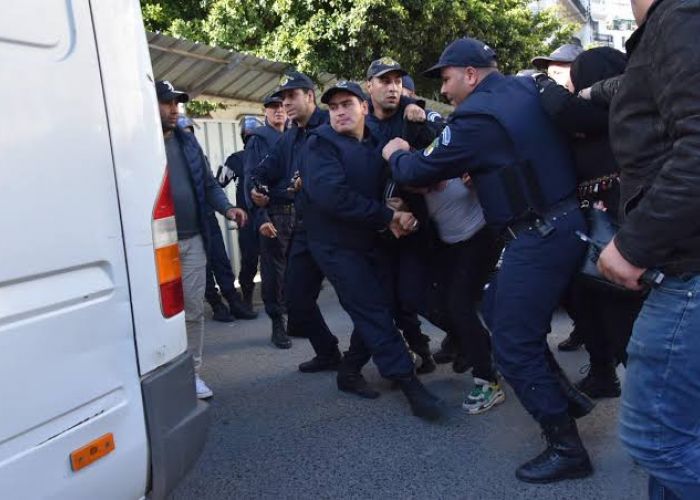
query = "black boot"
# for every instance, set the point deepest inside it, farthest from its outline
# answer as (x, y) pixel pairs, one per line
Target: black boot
(352, 382)
(601, 382)
(321, 363)
(572, 343)
(564, 458)
(423, 403)
(221, 313)
(447, 351)
(279, 333)
(238, 309)
(580, 404)
(427, 363)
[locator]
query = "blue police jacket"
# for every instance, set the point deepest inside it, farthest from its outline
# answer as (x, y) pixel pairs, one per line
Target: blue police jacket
(278, 168)
(207, 190)
(257, 146)
(502, 137)
(343, 180)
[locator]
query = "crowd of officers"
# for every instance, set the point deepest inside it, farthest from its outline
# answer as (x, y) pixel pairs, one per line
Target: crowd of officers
(407, 214)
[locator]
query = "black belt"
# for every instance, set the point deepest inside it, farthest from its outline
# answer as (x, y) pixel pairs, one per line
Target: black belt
(541, 223)
(281, 208)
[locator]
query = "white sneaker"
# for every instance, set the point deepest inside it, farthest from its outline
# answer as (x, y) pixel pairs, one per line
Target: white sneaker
(203, 391)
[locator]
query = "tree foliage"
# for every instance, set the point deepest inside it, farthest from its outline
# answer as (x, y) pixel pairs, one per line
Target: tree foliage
(342, 36)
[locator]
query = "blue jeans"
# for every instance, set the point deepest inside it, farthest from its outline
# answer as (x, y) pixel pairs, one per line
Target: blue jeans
(660, 414)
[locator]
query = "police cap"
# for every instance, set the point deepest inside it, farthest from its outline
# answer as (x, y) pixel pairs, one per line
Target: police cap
(408, 83)
(293, 80)
(464, 52)
(343, 86)
(564, 54)
(383, 66)
(272, 99)
(166, 92)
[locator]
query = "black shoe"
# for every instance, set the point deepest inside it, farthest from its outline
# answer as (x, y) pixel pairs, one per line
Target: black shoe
(427, 364)
(238, 309)
(279, 334)
(564, 458)
(423, 403)
(601, 382)
(355, 383)
(572, 343)
(321, 364)
(221, 313)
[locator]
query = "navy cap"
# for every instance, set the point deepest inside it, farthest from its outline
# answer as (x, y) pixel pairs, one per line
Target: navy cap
(383, 66)
(464, 52)
(166, 92)
(272, 99)
(343, 86)
(408, 83)
(293, 80)
(564, 54)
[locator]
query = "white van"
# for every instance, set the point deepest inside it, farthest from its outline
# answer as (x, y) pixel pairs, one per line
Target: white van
(96, 390)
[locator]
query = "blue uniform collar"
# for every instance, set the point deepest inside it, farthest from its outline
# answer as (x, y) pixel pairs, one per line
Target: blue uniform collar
(489, 82)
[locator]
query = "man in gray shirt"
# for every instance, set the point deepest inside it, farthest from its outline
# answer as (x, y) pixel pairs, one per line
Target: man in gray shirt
(192, 187)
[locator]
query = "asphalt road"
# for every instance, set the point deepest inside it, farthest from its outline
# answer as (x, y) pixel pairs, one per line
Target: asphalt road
(277, 433)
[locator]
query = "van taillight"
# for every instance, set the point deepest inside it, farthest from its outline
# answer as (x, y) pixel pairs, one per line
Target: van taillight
(166, 252)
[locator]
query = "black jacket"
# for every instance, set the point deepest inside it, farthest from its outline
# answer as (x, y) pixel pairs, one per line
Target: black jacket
(655, 134)
(586, 124)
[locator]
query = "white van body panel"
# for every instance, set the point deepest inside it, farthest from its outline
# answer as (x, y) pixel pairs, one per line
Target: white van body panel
(76, 248)
(139, 156)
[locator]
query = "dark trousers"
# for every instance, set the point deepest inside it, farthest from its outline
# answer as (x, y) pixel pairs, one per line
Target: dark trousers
(458, 274)
(357, 278)
(519, 306)
(273, 260)
(605, 318)
(302, 285)
(249, 244)
(219, 271)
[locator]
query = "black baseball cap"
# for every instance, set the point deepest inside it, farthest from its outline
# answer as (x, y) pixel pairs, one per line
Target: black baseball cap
(343, 86)
(383, 66)
(463, 52)
(166, 92)
(272, 99)
(293, 80)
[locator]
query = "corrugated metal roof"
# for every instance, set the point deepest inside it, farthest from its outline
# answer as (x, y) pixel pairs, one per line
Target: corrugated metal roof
(202, 69)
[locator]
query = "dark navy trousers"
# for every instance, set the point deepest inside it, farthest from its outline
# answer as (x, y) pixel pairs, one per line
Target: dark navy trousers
(273, 262)
(357, 276)
(218, 265)
(302, 285)
(249, 244)
(518, 308)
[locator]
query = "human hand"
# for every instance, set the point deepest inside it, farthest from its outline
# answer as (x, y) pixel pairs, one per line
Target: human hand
(268, 230)
(258, 198)
(403, 223)
(238, 215)
(414, 113)
(617, 269)
(396, 144)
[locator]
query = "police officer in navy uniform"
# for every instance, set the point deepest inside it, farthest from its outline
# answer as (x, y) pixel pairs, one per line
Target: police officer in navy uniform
(522, 170)
(393, 115)
(343, 178)
(276, 175)
(258, 142)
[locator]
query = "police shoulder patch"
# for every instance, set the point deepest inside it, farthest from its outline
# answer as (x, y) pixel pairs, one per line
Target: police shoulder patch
(446, 136)
(428, 151)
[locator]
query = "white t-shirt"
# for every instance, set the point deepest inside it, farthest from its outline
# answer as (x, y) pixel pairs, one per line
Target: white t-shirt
(456, 210)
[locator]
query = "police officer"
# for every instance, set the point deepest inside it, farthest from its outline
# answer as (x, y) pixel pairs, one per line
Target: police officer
(343, 179)
(258, 142)
(274, 189)
(522, 171)
(391, 115)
